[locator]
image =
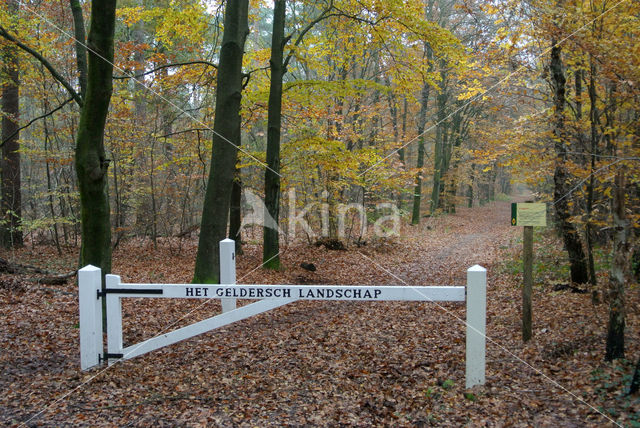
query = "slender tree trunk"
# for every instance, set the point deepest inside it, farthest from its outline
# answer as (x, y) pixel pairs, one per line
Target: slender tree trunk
(452, 170)
(81, 50)
(120, 217)
(582, 146)
(491, 184)
(593, 119)
(572, 242)
(235, 212)
(375, 119)
(91, 161)
(393, 112)
(527, 273)
(438, 153)
(10, 229)
(451, 144)
(470, 188)
(152, 188)
(635, 381)
(401, 152)
(615, 330)
(47, 149)
(422, 120)
(271, 247)
(226, 139)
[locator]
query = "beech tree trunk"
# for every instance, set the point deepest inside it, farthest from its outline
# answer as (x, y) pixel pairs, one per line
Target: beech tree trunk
(593, 119)
(615, 330)
(442, 149)
(572, 242)
(226, 139)
(422, 120)
(271, 247)
(10, 231)
(90, 159)
(451, 169)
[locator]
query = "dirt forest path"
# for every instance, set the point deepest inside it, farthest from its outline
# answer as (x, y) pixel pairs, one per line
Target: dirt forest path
(309, 363)
(445, 247)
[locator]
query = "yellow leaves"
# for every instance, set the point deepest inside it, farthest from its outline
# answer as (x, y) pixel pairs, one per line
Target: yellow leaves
(472, 91)
(176, 161)
(188, 23)
(258, 56)
(176, 22)
(490, 9)
(502, 33)
(130, 15)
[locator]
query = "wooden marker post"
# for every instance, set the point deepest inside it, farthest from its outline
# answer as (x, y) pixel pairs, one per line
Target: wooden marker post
(228, 270)
(90, 306)
(527, 273)
(528, 215)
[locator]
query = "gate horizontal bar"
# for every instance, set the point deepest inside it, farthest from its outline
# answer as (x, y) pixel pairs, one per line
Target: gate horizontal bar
(299, 292)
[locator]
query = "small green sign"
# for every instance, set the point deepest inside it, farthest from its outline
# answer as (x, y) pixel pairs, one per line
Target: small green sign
(529, 214)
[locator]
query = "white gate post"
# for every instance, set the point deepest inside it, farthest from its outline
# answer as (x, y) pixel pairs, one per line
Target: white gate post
(114, 318)
(90, 308)
(476, 325)
(228, 270)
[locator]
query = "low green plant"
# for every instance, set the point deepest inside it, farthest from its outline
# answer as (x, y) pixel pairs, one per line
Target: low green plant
(612, 387)
(448, 384)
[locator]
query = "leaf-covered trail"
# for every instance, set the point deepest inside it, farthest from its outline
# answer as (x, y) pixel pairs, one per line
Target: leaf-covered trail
(319, 363)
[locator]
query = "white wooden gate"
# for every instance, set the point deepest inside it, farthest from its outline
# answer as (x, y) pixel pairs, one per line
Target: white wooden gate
(268, 297)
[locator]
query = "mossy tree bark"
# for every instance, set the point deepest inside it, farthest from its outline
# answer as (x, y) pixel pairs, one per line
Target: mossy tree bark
(90, 160)
(439, 151)
(422, 122)
(616, 326)
(572, 242)
(271, 247)
(226, 139)
(10, 229)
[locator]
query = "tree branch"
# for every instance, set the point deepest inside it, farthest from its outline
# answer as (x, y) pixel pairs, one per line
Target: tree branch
(32, 121)
(177, 64)
(81, 48)
(184, 131)
(247, 76)
(74, 95)
(324, 15)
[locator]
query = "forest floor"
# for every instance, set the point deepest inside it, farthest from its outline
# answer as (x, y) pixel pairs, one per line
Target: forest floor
(325, 363)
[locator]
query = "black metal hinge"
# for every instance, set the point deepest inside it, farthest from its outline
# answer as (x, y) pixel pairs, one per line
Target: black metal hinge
(106, 356)
(103, 293)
